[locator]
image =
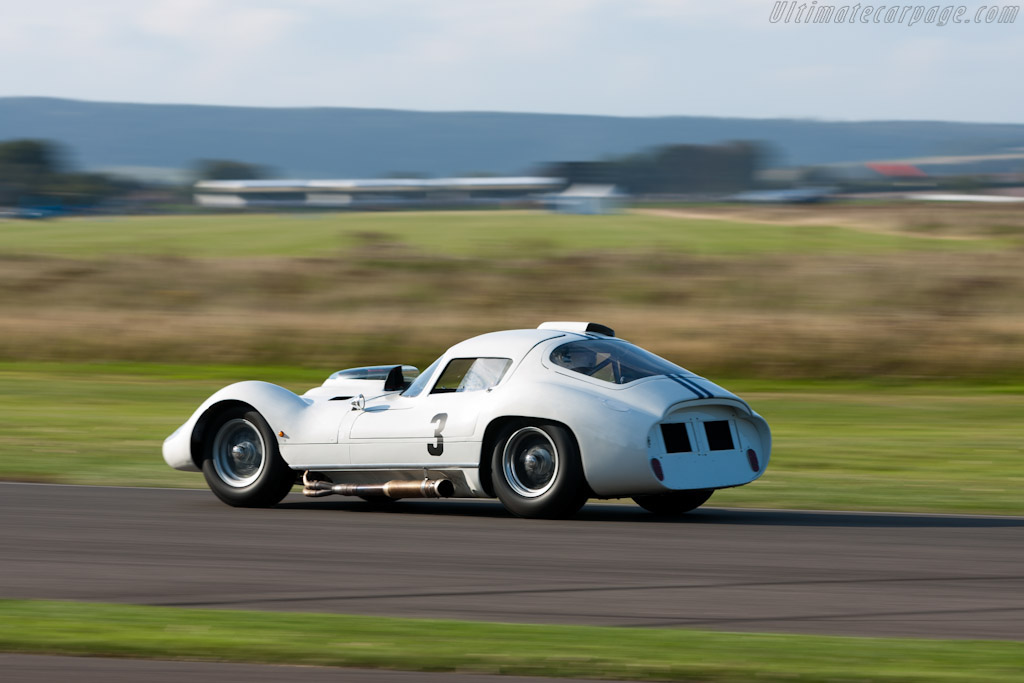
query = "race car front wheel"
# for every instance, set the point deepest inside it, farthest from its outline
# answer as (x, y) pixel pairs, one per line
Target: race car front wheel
(536, 471)
(674, 503)
(241, 461)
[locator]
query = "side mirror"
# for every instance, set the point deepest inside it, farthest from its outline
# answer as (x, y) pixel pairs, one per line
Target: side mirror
(359, 402)
(395, 380)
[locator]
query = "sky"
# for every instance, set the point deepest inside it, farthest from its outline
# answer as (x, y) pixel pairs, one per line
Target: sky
(624, 57)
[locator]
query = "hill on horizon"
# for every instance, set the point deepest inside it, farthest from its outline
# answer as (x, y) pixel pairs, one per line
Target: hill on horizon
(336, 142)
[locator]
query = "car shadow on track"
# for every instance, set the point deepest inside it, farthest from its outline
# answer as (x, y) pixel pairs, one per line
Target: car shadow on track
(611, 512)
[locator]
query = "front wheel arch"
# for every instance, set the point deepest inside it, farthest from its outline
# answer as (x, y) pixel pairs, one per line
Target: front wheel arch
(242, 463)
(210, 416)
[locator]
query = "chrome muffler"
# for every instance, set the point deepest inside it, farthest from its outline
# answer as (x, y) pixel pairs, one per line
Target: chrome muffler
(426, 488)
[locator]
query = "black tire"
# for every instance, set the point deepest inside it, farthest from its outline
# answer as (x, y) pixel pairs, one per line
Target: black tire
(537, 472)
(675, 503)
(241, 462)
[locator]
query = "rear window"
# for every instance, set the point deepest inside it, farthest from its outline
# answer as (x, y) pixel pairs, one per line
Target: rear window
(617, 362)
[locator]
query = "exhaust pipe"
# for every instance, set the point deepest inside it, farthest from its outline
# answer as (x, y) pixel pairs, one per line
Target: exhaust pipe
(427, 488)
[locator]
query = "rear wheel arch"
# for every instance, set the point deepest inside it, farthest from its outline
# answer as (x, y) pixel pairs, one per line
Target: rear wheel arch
(494, 430)
(536, 468)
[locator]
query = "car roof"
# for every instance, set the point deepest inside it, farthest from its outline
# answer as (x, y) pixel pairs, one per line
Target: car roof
(512, 344)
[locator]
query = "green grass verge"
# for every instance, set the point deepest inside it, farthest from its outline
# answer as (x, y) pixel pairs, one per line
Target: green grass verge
(460, 233)
(105, 423)
(927, 447)
(900, 447)
(436, 645)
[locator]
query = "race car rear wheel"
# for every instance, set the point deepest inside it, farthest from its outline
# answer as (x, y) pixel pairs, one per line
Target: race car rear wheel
(241, 461)
(675, 503)
(536, 471)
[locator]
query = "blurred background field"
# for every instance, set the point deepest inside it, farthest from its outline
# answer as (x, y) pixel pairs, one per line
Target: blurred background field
(886, 348)
(721, 297)
(695, 229)
(846, 445)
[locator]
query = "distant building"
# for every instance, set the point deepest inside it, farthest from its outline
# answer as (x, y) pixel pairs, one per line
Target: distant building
(896, 170)
(796, 195)
(394, 192)
(587, 199)
(961, 197)
(1002, 167)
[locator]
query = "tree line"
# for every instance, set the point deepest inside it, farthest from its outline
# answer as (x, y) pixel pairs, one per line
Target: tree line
(37, 174)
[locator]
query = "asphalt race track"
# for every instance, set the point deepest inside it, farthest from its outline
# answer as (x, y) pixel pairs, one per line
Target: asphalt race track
(728, 569)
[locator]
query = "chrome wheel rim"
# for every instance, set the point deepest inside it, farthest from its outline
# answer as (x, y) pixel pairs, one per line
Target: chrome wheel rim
(239, 454)
(530, 462)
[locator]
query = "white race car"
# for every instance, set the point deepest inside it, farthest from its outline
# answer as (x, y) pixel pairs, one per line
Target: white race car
(543, 419)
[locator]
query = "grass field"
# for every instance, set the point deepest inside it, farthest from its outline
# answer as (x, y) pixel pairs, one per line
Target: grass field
(435, 645)
(837, 445)
(484, 234)
(722, 297)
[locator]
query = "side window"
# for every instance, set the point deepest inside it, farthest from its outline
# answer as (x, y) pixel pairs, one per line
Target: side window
(471, 374)
(452, 376)
(484, 374)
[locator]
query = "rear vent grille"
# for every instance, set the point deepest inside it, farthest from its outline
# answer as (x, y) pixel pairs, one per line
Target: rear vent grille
(677, 439)
(719, 435)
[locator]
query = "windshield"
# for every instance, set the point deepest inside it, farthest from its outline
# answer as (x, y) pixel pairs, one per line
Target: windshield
(416, 388)
(375, 372)
(617, 362)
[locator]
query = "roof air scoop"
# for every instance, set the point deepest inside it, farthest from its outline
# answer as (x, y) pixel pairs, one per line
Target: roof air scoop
(579, 327)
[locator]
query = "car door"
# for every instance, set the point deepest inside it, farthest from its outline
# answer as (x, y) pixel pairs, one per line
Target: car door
(432, 429)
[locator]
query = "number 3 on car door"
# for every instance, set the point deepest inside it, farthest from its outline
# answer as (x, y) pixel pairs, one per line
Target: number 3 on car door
(438, 448)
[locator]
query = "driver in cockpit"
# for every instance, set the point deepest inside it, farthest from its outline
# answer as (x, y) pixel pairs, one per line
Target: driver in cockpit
(579, 359)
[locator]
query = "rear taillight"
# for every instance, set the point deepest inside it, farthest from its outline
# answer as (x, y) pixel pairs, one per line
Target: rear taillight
(656, 467)
(752, 459)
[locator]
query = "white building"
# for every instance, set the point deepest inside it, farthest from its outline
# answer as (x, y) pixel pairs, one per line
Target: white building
(235, 194)
(587, 199)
